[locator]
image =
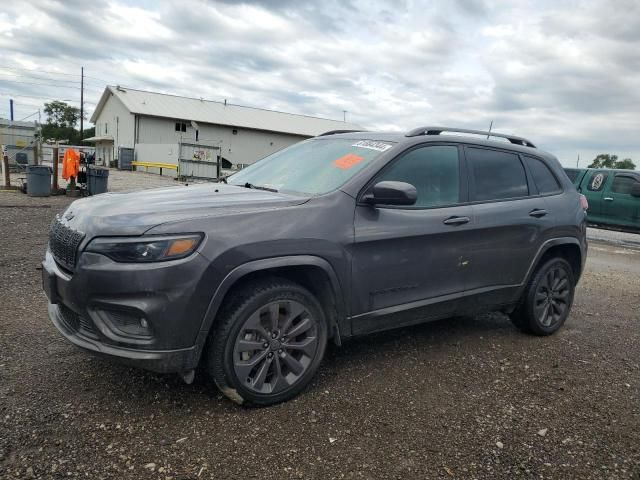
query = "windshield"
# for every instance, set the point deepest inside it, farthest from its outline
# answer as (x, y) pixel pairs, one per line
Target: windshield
(313, 166)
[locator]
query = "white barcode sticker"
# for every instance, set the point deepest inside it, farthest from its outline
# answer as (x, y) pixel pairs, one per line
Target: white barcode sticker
(371, 145)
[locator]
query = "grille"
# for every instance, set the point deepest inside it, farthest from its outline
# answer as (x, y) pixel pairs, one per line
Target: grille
(77, 323)
(64, 242)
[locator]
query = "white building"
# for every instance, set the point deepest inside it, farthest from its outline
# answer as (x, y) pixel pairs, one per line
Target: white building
(155, 124)
(18, 139)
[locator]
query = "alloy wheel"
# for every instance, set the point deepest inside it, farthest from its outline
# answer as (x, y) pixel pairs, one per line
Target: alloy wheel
(275, 346)
(552, 297)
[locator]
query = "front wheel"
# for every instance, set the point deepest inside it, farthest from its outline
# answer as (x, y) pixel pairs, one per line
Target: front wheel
(547, 301)
(268, 344)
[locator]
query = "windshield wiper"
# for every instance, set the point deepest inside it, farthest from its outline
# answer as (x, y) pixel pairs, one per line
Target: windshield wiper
(259, 187)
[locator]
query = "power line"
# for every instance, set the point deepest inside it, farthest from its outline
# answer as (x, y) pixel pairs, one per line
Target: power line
(49, 72)
(28, 116)
(39, 84)
(34, 77)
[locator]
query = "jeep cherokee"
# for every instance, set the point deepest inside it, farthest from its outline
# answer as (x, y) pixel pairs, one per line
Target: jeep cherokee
(337, 236)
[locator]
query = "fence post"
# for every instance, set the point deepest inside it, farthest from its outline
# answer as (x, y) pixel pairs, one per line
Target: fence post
(54, 155)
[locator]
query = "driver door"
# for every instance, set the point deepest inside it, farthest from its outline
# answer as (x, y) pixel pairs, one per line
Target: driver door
(409, 261)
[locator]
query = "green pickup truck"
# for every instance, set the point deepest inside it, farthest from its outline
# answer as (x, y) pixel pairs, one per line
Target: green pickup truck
(613, 195)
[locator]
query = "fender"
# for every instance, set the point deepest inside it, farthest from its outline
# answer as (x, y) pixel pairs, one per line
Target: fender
(553, 242)
(264, 264)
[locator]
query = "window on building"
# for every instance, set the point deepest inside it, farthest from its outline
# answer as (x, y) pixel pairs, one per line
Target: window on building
(496, 175)
(434, 171)
(181, 127)
(542, 176)
(623, 184)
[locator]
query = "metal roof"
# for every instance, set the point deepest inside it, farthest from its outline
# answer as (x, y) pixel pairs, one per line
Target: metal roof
(17, 124)
(141, 102)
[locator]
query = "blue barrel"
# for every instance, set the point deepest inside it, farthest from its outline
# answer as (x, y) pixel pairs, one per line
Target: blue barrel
(38, 180)
(97, 179)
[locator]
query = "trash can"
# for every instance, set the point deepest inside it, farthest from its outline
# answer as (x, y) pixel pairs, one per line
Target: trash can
(38, 180)
(97, 179)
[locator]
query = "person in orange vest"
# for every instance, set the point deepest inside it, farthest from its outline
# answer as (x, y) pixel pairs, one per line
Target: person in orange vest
(70, 166)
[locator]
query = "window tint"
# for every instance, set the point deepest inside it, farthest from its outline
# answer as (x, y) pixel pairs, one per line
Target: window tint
(497, 175)
(623, 184)
(597, 181)
(572, 173)
(434, 171)
(542, 176)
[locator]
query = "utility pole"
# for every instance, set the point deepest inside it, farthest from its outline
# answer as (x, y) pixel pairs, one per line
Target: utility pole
(11, 109)
(344, 116)
(81, 104)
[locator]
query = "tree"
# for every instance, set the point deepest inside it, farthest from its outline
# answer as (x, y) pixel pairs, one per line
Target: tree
(62, 119)
(605, 160)
(61, 114)
(626, 164)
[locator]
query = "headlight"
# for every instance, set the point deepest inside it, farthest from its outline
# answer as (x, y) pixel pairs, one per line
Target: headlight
(146, 249)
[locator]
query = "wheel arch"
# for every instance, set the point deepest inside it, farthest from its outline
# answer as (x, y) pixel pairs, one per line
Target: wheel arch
(568, 248)
(314, 273)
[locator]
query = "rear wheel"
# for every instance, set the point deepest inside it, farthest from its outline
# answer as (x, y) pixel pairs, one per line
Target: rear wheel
(268, 343)
(546, 303)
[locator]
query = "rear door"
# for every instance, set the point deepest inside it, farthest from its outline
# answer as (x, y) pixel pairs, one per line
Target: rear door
(510, 222)
(409, 261)
(621, 208)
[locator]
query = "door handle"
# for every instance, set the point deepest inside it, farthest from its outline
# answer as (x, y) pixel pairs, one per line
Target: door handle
(537, 212)
(457, 220)
(608, 199)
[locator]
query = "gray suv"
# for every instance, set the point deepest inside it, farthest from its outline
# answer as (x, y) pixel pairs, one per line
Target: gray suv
(337, 236)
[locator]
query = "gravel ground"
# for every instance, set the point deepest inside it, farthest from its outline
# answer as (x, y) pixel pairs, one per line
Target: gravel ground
(462, 398)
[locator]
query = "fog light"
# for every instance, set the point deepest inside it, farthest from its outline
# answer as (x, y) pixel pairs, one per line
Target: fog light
(143, 323)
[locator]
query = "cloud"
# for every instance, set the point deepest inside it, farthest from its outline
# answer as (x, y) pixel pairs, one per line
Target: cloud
(563, 73)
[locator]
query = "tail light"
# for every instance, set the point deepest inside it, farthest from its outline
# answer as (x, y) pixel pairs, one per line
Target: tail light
(584, 203)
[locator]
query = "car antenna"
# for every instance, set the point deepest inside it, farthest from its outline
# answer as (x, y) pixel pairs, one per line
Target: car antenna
(489, 132)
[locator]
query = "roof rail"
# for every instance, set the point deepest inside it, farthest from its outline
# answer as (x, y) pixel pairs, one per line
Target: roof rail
(438, 130)
(335, 132)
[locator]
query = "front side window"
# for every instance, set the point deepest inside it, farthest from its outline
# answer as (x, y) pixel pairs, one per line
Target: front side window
(623, 184)
(496, 175)
(433, 170)
(542, 176)
(315, 166)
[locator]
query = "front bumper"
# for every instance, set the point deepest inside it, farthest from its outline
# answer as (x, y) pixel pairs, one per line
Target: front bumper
(162, 361)
(101, 306)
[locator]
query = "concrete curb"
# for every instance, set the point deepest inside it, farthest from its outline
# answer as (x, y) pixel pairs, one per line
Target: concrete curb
(618, 239)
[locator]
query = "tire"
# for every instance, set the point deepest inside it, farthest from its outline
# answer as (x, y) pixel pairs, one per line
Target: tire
(546, 302)
(252, 357)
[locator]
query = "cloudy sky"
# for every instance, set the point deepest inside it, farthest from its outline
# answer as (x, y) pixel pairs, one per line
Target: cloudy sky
(565, 74)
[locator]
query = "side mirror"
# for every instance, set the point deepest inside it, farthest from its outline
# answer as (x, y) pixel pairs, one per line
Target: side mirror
(635, 189)
(391, 193)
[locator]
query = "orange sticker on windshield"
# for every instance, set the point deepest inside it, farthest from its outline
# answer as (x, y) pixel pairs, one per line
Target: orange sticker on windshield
(347, 161)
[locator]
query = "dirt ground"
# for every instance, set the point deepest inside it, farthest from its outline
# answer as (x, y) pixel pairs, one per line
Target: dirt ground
(461, 398)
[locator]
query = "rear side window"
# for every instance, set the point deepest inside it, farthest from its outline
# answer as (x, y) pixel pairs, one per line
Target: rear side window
(623, 184)
(434, 171)
(542, 176)
(597, 181)
(572, 173)
(496, 175)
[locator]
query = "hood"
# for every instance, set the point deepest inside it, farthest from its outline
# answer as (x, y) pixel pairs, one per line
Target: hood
(133, 213)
